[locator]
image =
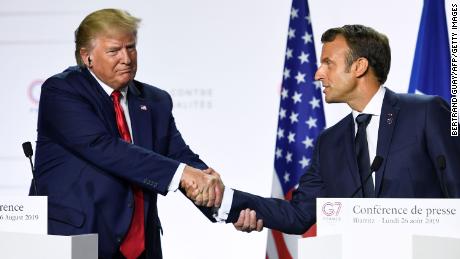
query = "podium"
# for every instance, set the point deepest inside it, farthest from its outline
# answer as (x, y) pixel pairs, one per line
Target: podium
(23, 233)
(384, 228)
(40, 246)
(420, 247)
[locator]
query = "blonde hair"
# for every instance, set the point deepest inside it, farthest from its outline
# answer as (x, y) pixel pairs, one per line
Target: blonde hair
(103, 22)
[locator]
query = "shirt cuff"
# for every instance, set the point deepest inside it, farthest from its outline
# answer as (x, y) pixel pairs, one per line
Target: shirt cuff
(221, 214)
(174, 184)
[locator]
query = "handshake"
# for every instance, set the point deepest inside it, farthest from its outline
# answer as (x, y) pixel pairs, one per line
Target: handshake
(204, 187)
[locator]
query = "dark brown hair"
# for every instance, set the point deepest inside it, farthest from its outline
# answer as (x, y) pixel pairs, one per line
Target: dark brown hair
(367, 43)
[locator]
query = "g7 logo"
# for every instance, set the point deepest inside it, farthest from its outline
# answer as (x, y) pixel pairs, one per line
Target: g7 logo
(332, 209)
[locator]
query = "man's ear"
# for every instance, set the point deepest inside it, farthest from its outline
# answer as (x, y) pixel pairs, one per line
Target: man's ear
(361, 65)
(85, 57)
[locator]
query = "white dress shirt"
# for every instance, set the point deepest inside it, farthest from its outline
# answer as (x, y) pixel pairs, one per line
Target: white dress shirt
(374, 107)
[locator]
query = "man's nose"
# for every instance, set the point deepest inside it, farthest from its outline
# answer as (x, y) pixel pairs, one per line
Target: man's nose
(319, 75)
(125, 58)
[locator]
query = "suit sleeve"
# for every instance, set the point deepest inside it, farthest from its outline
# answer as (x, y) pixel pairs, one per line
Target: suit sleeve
(441, 143)
(70, 120)
(288, 216)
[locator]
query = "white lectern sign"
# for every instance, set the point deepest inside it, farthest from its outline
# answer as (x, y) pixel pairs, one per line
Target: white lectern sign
(385, 228)
(24, 214)
(435, 217)
(24, 232)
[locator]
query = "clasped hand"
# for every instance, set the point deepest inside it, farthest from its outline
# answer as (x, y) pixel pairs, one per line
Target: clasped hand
(204, 187)
(248, 222)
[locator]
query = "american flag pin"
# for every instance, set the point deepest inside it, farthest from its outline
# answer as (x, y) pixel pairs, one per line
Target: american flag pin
(143, 107)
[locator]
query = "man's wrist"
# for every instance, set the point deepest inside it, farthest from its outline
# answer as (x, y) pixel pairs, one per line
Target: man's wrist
(221, 214)
(174, 184)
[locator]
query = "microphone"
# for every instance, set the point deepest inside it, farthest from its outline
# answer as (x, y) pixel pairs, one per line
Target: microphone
(441, 161)
(29, 152)
(374, 167)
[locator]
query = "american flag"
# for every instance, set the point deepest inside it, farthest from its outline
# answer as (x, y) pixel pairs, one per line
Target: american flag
(301, 119)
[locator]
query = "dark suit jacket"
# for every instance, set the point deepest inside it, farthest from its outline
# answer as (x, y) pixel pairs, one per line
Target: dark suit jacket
(86, 170)
(414, 131)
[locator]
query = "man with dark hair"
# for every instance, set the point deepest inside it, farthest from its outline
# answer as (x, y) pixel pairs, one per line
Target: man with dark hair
(409, 133)
(108, 144)
(364, 42)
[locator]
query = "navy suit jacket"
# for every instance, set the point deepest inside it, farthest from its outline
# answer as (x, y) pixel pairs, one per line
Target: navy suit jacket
(87, 171)
(414, 131)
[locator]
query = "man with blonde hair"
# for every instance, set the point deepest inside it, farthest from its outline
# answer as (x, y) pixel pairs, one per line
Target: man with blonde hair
(107, 144)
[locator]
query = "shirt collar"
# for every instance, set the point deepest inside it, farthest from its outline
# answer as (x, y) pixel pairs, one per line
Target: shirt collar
(374, 106)
(108, 89)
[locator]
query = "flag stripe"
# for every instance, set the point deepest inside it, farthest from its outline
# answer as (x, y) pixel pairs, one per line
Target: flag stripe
(272, 253)
(281, 247)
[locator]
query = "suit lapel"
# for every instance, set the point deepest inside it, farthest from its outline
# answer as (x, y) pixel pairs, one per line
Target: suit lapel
(141, 119)
(102, 101)
(388, 119)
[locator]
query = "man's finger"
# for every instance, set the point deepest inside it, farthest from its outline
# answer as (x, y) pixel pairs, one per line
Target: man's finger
(252, 220)
(205, 195)
(199, 199)
(260, 225)
(208, 171)
(189, 189)
(219, 190)
(246, 220)
(192, 191)
(239, 223)
(211, 196)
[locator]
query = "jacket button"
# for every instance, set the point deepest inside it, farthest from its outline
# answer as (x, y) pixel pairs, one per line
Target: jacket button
(119, 239)
(130, 204)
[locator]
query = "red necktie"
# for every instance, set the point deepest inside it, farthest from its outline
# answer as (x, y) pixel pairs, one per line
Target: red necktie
(134, 243)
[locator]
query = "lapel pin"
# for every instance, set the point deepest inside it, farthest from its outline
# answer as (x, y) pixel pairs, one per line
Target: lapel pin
(143, 107)
(390, 118)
